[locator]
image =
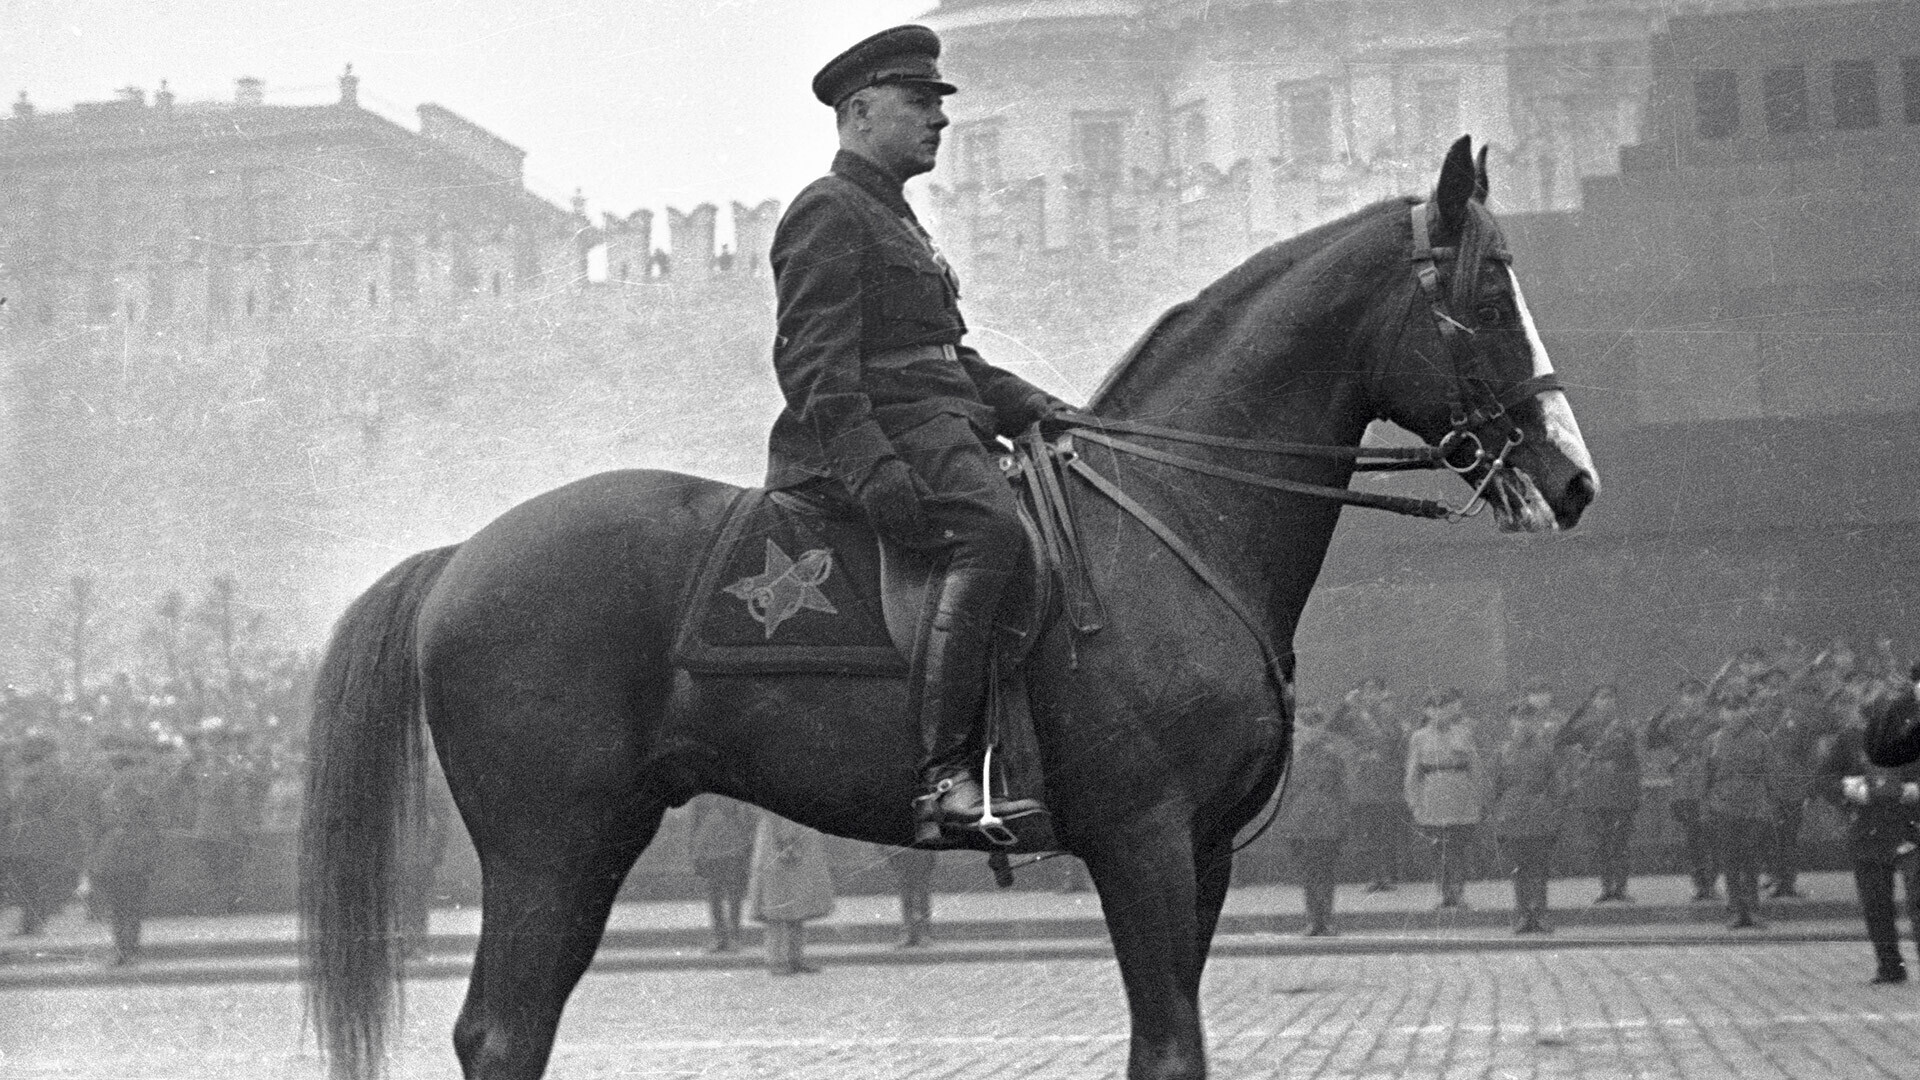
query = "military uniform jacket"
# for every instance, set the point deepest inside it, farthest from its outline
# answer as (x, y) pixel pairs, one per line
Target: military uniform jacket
(1529, 790)
(856, 279)
(1876, 830)
(1741, 784)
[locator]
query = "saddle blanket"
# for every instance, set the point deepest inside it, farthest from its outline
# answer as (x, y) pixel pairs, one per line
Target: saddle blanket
(784, 590)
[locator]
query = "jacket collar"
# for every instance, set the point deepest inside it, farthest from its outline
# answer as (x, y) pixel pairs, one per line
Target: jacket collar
(874, 180)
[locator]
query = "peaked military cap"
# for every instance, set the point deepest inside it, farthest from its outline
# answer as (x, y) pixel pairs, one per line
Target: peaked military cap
(904, 54)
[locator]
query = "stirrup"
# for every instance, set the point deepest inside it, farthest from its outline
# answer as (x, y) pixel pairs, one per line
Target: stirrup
(991, 825)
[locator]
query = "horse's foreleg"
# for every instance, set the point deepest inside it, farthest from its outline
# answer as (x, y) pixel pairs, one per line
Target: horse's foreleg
(1213, 872)
(542, 915)
(1146, 876)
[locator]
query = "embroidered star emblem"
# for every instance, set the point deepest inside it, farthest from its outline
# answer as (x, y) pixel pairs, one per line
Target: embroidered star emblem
(786, 587)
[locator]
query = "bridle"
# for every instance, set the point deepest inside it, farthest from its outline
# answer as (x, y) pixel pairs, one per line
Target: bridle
(1475, 408)
(1476, 405)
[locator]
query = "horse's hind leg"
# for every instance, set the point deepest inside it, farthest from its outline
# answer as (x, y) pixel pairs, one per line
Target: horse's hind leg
(1146, 876)
(542, 915)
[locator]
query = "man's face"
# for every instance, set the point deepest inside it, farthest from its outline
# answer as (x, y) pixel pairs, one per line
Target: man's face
(900, 128)
(1443, 716)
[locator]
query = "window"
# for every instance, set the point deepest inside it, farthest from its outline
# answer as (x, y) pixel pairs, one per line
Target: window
(1097, 146)
(980, 154)
(1716, 103)
(1784, 91)
(1190, 137)
(1856, 95)
(1910, 88)
(1306, 123)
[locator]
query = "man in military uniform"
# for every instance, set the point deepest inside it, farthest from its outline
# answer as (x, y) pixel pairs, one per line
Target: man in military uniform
(133, 813)
(44, 840)
(885, 407)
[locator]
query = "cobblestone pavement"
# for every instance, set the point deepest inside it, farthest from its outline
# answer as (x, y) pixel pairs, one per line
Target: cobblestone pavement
(1752, 1012)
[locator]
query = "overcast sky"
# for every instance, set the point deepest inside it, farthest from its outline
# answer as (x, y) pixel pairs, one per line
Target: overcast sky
(639, 102)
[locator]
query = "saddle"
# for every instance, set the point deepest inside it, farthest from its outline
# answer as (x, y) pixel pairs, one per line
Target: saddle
(795, 585)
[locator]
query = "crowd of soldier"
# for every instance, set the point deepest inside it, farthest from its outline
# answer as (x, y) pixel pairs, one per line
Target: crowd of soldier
(93, 795)
(1743, 753)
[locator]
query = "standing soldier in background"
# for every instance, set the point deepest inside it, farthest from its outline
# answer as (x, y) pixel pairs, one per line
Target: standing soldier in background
(421, 855)
(1683, 728)
(790, 885)
(720, 847)
(1742, 802)
(1882, 808)
(1445, 786)
(913, 876)
(135, 810)
(46, 843)
(1378, 805)
(1798, 726)
(887, 409)
(1607, 794)
(1528, 799)
(228, 796)
(1313, 813)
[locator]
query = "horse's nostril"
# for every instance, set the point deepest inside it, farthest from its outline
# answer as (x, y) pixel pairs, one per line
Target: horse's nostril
(1580, 494)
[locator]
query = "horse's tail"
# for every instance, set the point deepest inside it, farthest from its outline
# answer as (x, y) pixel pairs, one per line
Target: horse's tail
(364, 777)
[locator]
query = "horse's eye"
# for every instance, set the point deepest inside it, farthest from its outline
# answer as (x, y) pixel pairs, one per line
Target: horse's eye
(1491, 314)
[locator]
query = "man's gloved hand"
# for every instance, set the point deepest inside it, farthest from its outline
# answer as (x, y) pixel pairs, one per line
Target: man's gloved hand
(1058, 418)
(892, 497)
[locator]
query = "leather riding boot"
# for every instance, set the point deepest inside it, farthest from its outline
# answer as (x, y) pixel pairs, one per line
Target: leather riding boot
(952, 687)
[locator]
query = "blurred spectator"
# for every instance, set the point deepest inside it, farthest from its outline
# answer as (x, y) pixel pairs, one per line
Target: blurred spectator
(45, 841)
(133, 813)
(1529, 794)
(1606, 750)
(1798, 724)
(422, 855)
(228, 794)
(1445, 786)
(913, 874)
(1682, 728)
(1313, 813)
(1741, 804)
(1374, 789)
(789, 886)
(720, 847)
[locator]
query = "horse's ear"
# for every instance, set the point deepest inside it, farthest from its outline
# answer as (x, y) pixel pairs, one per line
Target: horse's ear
(1456, 184)
(1481, 186)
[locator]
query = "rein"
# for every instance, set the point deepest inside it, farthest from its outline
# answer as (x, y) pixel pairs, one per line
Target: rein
(1475, 406)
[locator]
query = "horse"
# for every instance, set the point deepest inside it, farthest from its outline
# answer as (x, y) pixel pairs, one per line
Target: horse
(536, 652)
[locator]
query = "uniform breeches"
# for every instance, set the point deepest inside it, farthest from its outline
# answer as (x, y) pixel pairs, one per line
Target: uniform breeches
(123, 891)
(1783, 856)
(1612, 831)
(1701, 860)
(1383, 833)
(1532, 867)
(41, 887)
(1741, 843)
(1316, 859)
(1453, 850)
(972, 509)
(1874, 880)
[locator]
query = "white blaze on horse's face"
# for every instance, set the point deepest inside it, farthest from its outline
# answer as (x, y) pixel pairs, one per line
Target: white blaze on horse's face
(1562, 429)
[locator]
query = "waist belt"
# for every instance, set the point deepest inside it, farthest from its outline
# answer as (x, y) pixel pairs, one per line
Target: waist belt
(909, 353)
(1425, 768)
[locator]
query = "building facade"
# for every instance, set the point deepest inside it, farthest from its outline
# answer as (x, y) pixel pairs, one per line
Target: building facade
(1188, 134)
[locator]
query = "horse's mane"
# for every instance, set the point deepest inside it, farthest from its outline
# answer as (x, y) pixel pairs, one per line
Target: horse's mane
(1202, 315)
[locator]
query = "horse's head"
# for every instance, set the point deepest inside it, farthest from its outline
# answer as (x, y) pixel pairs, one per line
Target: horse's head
(1467, 370)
